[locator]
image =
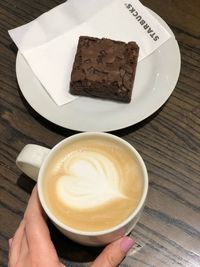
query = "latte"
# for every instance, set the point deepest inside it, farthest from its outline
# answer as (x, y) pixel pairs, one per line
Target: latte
(93, 184)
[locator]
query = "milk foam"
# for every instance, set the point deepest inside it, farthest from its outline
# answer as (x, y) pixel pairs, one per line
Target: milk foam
(89, 179)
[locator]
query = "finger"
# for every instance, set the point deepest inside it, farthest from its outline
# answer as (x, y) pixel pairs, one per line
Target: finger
(16, 245)
(24, 251)
(37, 232)
(24, 259)
(34, 207)
(114, 253)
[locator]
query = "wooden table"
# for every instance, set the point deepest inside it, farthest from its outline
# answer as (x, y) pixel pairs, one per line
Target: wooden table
(168, 233)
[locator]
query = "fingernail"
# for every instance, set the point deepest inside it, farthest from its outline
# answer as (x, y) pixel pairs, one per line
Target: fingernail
(126, 244)
(10, 242)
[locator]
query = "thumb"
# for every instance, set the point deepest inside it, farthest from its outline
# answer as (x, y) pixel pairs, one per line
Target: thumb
(114, 253)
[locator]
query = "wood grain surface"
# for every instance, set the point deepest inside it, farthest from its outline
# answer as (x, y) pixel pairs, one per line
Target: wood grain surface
(168, 233)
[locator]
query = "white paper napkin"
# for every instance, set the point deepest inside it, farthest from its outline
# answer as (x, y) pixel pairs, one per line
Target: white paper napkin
(51, 57)
(55, 22)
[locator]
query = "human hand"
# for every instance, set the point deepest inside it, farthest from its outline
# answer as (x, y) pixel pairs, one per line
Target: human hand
(31, 245)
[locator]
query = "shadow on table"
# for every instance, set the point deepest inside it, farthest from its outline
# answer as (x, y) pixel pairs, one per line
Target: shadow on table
(70, 251)
(26, 183)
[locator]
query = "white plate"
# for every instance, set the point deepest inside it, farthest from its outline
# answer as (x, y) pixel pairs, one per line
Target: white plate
(156, 78)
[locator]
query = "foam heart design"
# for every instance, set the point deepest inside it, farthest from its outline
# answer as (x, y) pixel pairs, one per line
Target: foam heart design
(89, 179)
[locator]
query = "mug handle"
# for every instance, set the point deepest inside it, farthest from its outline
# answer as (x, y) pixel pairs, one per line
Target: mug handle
(30, 159)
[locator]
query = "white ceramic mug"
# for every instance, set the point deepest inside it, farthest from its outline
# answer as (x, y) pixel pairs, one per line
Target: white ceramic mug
(34, 159)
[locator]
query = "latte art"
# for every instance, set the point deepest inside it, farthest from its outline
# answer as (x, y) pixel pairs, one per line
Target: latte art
(92, 184)
(89, 179)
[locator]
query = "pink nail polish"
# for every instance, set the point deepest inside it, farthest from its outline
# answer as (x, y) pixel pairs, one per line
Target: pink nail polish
(126, 244)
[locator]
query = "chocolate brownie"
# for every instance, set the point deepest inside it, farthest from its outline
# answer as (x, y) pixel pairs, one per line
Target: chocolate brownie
(104, 68)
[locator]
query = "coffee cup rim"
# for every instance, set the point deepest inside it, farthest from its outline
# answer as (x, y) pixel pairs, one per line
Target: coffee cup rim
(101, 232)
